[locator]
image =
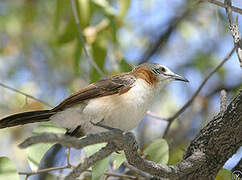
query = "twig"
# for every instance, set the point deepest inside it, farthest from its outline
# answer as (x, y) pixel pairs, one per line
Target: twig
(68, 156)
(24, 94)
(218, 3)
(82, 41)
(223, 101)
(164, 37)
(28, 174)
(154, 115)
(189, 102)
(234, 28)
(227, 88)
(140, 172)
(44, 170)
(122, 176)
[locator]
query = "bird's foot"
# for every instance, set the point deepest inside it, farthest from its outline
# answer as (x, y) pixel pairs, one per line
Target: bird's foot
(103, 126)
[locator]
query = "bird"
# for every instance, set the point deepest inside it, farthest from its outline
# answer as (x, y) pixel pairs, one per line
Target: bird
(119, 101)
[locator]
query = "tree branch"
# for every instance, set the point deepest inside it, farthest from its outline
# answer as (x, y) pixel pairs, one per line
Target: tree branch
(234, 28)
(207, 153)
(101, 154)
(218, 3)
(69, 141)
(223, 101)
(219, 139)
(24, 94)
(189, 102)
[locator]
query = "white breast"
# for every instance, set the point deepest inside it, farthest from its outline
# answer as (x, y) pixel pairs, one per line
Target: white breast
(119, 111)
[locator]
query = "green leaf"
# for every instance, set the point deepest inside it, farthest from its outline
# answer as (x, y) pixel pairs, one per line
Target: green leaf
(124, 66)
(48, 127)
(84, 11)
(177, 153)
(90, 150)
(8, 169)
(99, 56)
(223, 174)
(77, 58)
(113, 27)
(118, 159)
(36, 152)
(107, 8)
(158, 151)
(69, 33)
(99, 168)
(123, 9)
(60, 9)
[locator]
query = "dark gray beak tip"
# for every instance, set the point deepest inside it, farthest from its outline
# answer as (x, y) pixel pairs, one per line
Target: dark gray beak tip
(180, 78)
(186, 80)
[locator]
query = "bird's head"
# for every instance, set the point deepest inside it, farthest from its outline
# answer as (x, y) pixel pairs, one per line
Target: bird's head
(157, 74)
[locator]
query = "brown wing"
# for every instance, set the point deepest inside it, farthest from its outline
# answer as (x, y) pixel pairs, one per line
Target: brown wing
(117, 84)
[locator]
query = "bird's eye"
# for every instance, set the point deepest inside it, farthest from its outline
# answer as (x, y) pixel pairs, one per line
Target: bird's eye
(159, 70)
(163, 69)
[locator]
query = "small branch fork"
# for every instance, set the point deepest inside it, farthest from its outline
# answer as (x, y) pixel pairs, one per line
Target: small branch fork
(197, 163)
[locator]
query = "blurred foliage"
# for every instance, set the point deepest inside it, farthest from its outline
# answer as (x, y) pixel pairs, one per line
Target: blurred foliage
(177, 154)
(157, 151)
(223, 174)
(41, 54)
(8, 169)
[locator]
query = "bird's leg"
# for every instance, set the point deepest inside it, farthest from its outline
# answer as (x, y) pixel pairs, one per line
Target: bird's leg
(68, 157)
(106, 127)
(103, 126)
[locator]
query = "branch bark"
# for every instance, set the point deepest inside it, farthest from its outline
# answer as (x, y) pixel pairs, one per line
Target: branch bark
(219, 140)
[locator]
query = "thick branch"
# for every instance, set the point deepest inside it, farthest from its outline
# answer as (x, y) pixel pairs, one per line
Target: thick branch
(219, 140)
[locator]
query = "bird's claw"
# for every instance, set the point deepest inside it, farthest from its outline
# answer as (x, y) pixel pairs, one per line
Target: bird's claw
(103, 126)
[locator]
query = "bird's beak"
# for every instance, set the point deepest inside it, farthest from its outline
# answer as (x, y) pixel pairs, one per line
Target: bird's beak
(178, 77)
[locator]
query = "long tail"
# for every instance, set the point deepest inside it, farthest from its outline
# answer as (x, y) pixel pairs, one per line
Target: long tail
(25, 118)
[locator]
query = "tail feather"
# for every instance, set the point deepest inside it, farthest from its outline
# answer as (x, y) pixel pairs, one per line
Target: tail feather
(25, 118)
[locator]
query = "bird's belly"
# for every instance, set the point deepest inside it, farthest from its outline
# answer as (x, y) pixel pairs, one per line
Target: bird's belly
(117, 112)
